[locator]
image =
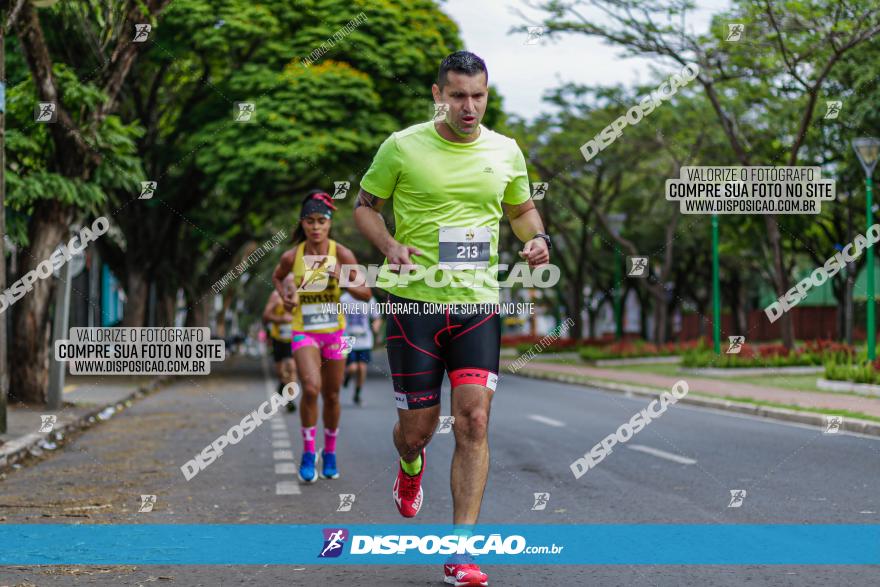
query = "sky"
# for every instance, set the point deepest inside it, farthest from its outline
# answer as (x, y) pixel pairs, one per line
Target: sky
(522, 73)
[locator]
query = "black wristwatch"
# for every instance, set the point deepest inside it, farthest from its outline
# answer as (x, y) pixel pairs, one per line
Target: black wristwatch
(546, 238)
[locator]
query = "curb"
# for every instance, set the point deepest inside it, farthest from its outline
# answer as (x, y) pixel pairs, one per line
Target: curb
(18, 449)
(737, 371)
(865, 389)
(637, 361)
(810, 418)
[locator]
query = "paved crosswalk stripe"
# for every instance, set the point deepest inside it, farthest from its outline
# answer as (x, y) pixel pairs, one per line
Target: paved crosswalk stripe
(279, 434)
(287, 488)
(285, 468)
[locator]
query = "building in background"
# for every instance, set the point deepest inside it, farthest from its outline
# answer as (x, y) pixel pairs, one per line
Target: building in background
(96, 297)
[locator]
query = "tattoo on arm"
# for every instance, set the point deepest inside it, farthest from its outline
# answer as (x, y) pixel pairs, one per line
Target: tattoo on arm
(367, 200)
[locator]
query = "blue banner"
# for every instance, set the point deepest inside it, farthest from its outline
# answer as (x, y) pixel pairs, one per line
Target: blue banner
(607, 544)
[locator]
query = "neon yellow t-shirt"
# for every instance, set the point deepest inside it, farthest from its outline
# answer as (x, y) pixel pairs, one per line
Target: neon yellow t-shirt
(447, 203)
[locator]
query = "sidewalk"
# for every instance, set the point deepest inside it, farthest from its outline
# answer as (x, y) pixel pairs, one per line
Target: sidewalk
(721, 392)
(86, 401)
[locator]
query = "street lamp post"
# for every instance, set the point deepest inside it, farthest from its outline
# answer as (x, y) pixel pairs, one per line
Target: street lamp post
(615, 223)
(848, 271)
(867, 150)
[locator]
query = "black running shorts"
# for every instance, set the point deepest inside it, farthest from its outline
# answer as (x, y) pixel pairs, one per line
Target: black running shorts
(422, 344)
(281, 350)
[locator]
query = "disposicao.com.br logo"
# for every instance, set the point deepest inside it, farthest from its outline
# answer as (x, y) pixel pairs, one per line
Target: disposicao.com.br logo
(403, 544)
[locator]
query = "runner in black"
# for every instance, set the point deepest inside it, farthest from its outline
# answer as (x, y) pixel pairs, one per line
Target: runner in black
(452, 180)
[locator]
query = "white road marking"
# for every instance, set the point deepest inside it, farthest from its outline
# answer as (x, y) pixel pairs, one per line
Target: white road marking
(279, 434)
(285, 468)
(287, 488)
(546, 420)
(661, 454)
(266, 377)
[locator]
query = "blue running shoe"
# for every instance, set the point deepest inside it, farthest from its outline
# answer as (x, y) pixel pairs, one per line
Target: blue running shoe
(329, 468)
(307, 473)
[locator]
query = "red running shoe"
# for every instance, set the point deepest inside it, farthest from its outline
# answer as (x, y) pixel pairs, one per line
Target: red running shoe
(465, 575)
(407, 491)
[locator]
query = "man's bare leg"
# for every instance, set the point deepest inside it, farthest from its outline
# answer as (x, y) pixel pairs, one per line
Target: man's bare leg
(470, 461)
(413, 431)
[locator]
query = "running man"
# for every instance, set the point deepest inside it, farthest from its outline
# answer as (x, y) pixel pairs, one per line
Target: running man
(362, 320)
(316, 262)
(280, 325)
(451, 180)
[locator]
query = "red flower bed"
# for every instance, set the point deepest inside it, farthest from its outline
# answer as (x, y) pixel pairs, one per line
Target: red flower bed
(641, 348)
(824, 346)
(771, 350)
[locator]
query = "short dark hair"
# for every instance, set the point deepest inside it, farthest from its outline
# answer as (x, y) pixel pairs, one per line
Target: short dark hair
(461, 62)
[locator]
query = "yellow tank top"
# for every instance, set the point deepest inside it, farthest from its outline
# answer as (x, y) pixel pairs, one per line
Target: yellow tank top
(317, 291)
(280, 332)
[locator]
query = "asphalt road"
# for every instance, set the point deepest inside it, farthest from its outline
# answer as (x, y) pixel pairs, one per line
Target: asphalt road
(679, 469)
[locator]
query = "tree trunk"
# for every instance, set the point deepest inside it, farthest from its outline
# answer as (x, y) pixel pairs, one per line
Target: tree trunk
(576, 313)
(780, 278)
(738, 292)
(664, 327)
(220, 317)
(742, 307)
(166, 303)
(644, 309)
(29, 351)
(577, 329)
(580, 277)
(702, 308)
(576, 304)
(136, 292)
(671, 307)
(838, 290)
(591, 326)
(661, 317)
(198, 312)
